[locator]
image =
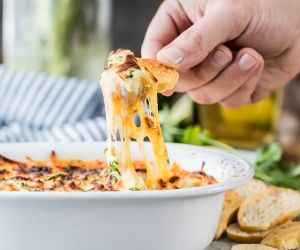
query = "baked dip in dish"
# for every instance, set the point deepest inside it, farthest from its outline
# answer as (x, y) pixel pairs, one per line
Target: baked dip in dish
(60, 175)
(132, 192)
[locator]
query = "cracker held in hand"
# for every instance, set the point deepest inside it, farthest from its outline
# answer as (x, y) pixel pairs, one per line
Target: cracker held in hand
(266, 210)
(284, 237)
(232, 202)
(236, 234)
(166, 77)
(252, 247)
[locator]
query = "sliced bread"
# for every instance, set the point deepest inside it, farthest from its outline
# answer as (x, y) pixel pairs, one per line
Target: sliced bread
(236, 234)
(251, 187)
(166, 77)
(252, 247)
(284, 237)
(263, 211)
(232, 202)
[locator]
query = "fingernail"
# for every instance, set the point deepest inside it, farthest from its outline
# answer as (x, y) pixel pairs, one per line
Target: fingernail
(171, 54)
(247, 62)
(220, 58)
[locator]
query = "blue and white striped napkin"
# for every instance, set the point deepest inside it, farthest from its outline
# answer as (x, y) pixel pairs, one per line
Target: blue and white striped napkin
(39, 107)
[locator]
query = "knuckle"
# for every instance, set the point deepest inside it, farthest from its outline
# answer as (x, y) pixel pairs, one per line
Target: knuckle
(239, 12)
(258, 96)
(202, 74)
(235, 7)
(201, 98)
(165, 4)
(195, 37)
(230, 103)
(260, 92)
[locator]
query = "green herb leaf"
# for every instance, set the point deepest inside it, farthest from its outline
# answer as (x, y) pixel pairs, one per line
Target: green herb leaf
(53, 176)
(270, 169)
(113, 167)
(130, 75)
(35, 190)
(20, 184)
(135, 189)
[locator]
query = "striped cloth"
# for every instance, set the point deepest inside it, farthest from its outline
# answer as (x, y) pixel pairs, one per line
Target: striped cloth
(39, 107)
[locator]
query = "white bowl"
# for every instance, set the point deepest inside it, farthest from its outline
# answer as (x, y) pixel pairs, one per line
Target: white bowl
(183, 219)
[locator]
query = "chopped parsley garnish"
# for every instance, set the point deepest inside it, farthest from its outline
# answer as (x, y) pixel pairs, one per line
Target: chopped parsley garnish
(135, 189)
(35, 190)
(20, 184)
(97, 176)
(53, 176)
(119, 58)
(113, 167)
(130, 75)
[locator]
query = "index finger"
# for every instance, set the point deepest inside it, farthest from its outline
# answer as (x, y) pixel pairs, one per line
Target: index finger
(169, 21)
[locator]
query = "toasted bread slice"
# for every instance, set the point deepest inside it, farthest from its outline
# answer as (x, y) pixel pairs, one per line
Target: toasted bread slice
(251, 187)
(284, 237)
(266, 210)
(166, 77)
(236, 234)
(232, 202)
(252, 247)
(123, 63)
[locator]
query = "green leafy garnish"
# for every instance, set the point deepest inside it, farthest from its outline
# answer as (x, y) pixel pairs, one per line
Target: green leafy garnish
(113, 167)
(135, 189)
(270, 168)
(98, 176)
(20, 184)
(35, 190)
(113, 170)
(130, 75)
(53, 176)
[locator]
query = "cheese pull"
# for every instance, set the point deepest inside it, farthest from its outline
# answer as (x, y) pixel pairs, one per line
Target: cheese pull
(130, 86)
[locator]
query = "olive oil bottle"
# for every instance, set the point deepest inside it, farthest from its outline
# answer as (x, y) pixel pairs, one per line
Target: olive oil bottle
(247, 127)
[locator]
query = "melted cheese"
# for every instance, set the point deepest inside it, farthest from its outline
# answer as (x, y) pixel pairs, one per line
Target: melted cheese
(130, 91)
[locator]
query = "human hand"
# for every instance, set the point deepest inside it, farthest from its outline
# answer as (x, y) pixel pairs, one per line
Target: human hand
(232, 52)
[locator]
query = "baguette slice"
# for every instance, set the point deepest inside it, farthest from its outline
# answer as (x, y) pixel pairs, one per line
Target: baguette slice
(252, 247)
(236, 234)
(284, 237)
(251, 187)
(232, 202)
(266, 210)
(166, 77)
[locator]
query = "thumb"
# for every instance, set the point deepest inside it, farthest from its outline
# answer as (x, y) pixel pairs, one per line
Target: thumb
(193, 45)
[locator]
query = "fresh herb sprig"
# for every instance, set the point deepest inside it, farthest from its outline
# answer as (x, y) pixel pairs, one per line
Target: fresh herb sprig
(270, 168)
(113, 170)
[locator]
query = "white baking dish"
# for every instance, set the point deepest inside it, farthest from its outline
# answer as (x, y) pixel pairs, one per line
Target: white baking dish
(146, 220)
